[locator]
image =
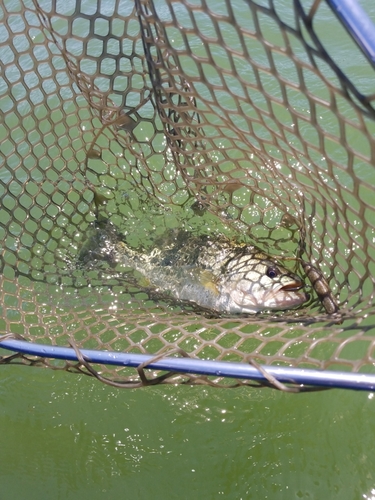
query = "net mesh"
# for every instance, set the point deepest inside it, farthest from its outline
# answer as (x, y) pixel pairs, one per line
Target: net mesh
(233, 117)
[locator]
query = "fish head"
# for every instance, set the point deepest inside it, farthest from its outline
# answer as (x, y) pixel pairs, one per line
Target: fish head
(257, 283)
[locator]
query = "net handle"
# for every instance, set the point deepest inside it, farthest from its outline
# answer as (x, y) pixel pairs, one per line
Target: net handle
(287, 375)
(357, 23)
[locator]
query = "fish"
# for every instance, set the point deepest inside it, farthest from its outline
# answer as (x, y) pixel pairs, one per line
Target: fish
(212, 272)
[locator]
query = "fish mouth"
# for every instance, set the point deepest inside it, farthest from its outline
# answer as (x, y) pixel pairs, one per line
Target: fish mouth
(293, 286)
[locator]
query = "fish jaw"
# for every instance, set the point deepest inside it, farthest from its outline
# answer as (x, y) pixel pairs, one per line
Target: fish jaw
(279, 297)
(286, 299)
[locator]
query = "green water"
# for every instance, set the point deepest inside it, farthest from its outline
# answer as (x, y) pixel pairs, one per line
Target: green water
(69, 437)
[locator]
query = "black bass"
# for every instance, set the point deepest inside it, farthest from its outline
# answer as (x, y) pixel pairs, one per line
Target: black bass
(212, 272)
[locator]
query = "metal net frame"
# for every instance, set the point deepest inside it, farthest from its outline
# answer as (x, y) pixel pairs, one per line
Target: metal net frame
(234, 118)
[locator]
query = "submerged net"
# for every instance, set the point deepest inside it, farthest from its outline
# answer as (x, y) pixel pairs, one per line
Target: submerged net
(236, 118)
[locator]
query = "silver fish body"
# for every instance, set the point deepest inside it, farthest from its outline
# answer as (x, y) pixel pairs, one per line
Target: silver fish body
(216, 274)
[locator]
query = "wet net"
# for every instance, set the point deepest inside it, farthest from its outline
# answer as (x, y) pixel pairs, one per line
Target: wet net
(144, 121)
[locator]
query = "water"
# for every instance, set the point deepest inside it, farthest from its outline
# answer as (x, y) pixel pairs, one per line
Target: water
(69, 437)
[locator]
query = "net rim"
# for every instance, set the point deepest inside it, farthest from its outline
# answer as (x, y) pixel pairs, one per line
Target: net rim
(285, 375)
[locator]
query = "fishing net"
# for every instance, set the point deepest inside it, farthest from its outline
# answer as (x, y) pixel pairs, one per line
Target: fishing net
(235, 118)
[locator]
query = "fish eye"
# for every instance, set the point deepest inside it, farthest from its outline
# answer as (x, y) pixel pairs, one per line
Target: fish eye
(272, 272)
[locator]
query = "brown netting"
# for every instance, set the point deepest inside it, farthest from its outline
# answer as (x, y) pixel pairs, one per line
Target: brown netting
(227, 117)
